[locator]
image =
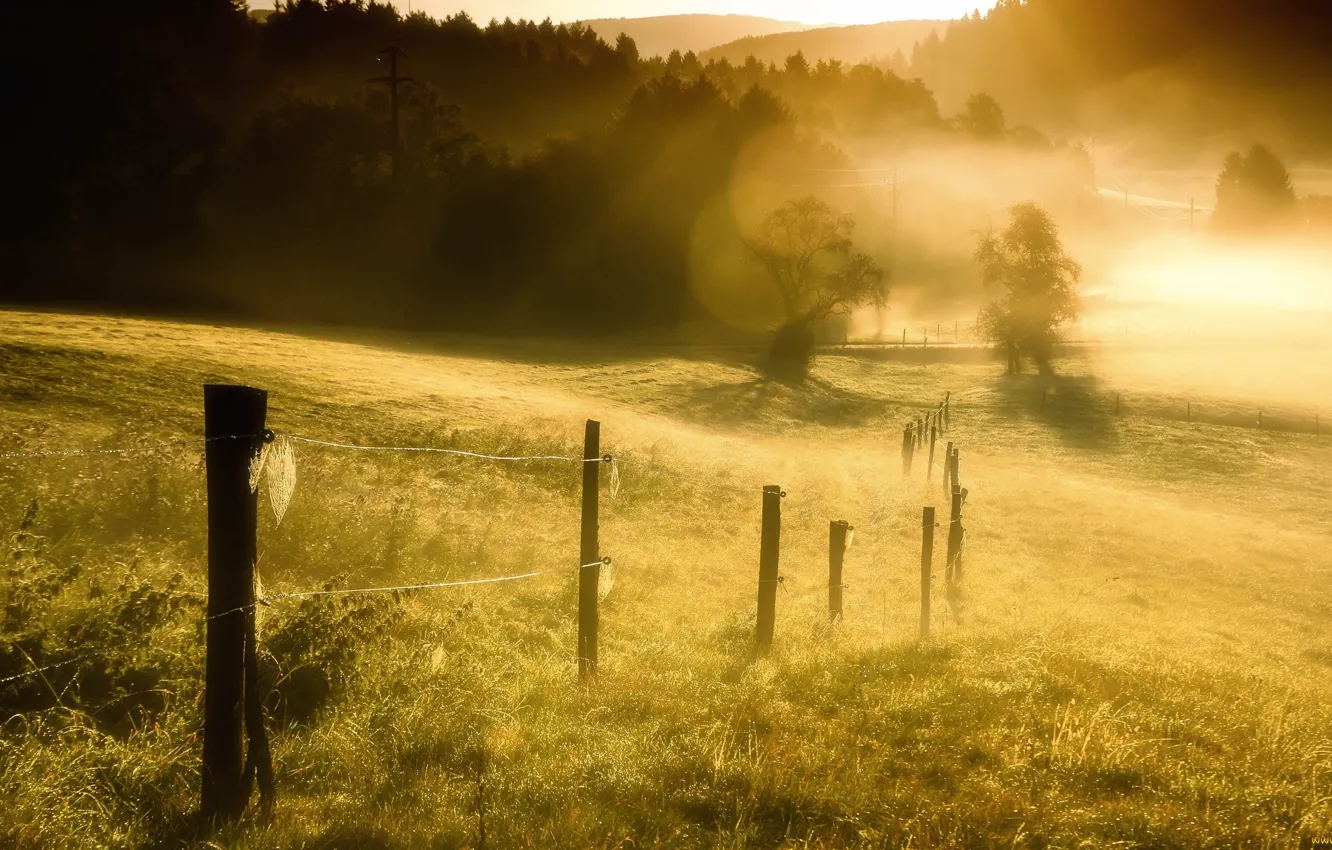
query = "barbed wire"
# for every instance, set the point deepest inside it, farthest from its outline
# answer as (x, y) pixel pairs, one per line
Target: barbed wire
(197, 441)
(457, 452)
(311, 594)
(39, 670)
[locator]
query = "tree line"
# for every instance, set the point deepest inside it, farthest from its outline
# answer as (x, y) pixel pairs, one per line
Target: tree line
(185, 156)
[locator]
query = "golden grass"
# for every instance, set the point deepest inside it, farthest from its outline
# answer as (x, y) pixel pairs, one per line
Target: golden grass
(1142, 658)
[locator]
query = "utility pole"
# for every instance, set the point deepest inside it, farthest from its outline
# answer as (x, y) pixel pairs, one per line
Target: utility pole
(393, 81)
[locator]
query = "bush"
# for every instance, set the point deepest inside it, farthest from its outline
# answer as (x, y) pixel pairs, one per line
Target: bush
(313, 654)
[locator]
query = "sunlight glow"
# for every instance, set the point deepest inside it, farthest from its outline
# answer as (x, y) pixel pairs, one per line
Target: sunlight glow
(1267, 276)
(802, 11)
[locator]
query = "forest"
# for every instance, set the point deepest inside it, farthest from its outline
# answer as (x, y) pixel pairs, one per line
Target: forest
(188, 158)
(193, 159)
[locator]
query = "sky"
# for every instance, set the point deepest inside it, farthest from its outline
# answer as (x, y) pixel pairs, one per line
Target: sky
(801, 11)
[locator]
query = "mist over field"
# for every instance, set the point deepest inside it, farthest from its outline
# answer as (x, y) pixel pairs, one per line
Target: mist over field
(440, 433)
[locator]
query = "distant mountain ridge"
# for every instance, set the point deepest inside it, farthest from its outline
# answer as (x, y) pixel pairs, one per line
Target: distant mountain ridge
(850, 44)
(658, 36)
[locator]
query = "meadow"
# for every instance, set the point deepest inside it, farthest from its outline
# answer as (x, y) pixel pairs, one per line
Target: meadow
(1141, 657)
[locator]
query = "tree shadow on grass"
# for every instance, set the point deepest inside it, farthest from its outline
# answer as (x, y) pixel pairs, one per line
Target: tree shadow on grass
(756, 397)
(1076, 409)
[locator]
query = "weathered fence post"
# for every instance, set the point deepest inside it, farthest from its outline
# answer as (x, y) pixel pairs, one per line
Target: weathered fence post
(948, 408)
(837, 531)
(954, 538)
(906, 450)
(589, 552)
(955, 470)
(948, 468)
(926, 566)
(934, 436)
(234, 426)
(769, 558)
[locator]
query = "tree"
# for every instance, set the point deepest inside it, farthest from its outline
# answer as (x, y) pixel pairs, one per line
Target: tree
(1031, 280)
(1253, 192)
(806, 249)
(984, 117)
(797, 65)
(628, 50)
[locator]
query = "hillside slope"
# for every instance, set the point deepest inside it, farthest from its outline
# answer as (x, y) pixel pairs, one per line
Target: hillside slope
(1173, 72)
(658, 36)
(1138, 654)
(848, 44)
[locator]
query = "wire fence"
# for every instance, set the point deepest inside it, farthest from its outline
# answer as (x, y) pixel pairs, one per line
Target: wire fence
(232, 708)
(269, 436)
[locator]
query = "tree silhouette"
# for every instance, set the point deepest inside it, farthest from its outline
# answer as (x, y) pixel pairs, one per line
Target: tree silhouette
(1253, 192)
(806, 249)
(983, 118)
(1031, 280)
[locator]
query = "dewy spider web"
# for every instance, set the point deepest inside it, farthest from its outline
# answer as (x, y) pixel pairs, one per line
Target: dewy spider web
(281, 477)
(278, 460)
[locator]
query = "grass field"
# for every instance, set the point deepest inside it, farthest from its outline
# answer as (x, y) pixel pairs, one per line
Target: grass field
(1142, 656)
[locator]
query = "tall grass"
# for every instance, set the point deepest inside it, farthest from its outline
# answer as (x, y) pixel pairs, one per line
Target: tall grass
(1141, 657)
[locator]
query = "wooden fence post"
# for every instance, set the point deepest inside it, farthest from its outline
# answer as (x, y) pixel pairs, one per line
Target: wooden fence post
(954, 538)
(906, 450)
(934, 436)
(926, 566)
(948, 468)
(837, 531)
(589, 552)
(948, 407)
(234, 426)
(955, 470)
(769, 558)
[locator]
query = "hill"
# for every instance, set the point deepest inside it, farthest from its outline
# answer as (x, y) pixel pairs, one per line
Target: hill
(849, 44)
(1138, 655)
(660, 35)
(1186, 71)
